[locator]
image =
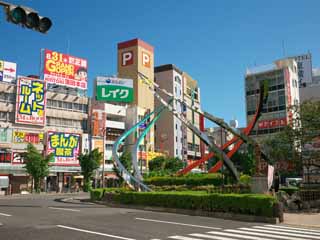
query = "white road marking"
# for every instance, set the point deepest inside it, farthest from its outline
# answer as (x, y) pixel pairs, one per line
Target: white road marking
(293, 228)
(228, 235)
(263, 234)
(280, 233)
(289, 230)
(96, 233)
(4, 214)
(212, 237)
(65, 209)
(177, 223)
(184, 238)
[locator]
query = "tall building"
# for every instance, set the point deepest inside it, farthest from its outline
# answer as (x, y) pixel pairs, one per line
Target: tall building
(168, 129)
(282, 77)
(136, 57)
(193, 147)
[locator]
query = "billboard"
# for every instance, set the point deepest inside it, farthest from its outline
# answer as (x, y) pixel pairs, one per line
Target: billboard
(20, 137)
(17, 158)
(112, 89)
(272, 123)
(8, 71)
(304, 68)
(65, 148)
(31, 101)
(63, 69)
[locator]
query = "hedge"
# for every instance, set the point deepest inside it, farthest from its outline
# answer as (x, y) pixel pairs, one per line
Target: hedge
(251, 204)
(240, 188)
(289, 190)
(98, 193)
(189, 180)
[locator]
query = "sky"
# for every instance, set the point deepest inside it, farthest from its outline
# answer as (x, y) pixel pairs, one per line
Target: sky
(213, 41)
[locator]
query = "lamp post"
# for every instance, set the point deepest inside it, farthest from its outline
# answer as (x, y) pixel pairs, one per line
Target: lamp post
(104, 134)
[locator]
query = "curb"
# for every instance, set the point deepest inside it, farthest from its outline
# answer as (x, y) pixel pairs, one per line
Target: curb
(227, 216)
(302, 225)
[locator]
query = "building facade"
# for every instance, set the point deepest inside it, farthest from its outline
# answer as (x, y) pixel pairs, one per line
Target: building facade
(65, 117)
(168, 129)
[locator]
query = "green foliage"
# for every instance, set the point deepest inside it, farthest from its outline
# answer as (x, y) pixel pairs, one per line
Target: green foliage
(245, 179)
(165, 164)
(289, 190)
(89, 162)
(245, 160)
(98, 193)
(126, 160)
(251, 204)
(190, 180)
(36, 165)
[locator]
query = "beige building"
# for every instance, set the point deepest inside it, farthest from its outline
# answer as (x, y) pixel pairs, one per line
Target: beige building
(134, 57)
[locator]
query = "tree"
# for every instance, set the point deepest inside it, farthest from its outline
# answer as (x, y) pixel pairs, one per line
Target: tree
(36, 165)
(168, 165)
(89, 162)
(245, 160)
(126, 161)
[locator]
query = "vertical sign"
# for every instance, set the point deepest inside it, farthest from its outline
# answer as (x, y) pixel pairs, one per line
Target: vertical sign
(63, 69)
(65, 148)
(304, 68)
(31, 101)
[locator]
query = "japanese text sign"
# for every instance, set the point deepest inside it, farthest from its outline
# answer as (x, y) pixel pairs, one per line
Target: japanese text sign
(63, 69)
(31, 101)
(113, 89)
(65, 148)
(27, 137)
(8, 71)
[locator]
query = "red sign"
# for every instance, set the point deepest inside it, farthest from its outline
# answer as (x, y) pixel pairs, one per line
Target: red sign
(272, 123)
(63, 69)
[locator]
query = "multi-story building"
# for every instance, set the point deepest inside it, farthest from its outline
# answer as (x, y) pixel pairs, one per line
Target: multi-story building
(66, 112)
(311, 91)
(168, 129)
(277, 112)
(193, 147)
(136, 59)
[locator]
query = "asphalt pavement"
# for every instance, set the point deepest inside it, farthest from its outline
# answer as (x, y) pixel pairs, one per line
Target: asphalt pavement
(68, 217)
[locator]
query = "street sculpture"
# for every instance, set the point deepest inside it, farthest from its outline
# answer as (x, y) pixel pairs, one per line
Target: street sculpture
(135, 181)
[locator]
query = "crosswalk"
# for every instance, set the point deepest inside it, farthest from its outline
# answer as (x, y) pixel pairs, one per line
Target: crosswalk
(261, 232)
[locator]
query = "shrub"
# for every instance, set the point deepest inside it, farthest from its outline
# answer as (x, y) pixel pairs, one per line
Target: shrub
(289, 190)
(98, 193)
(245, 179)
(251, 204)
(189, 180)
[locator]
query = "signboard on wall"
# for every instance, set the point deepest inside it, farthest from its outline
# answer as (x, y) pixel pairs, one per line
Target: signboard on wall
(304, 68)
(27, 137)
(17, 158)
(98, 143)
(65, 148)
(272, 123)
(112, 89)
(63, 69)
(8, 71)
(31, 101)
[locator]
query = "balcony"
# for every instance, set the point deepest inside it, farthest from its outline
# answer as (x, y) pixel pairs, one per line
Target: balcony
(115, 124)
(115, 110)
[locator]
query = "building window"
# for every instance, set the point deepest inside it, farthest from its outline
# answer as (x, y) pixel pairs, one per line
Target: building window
(67, 105)
(176, 151)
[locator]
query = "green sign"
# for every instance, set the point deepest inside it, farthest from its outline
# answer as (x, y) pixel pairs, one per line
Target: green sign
(111, 89)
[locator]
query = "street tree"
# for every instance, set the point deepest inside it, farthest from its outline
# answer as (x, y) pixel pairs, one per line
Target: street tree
(36, 165)
(89, 162)
(165, 165)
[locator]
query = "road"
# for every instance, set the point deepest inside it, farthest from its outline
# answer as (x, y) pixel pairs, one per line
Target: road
(48, 217)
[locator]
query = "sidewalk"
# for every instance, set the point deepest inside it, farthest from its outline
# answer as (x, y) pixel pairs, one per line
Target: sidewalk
(43, 195)
(310, 220)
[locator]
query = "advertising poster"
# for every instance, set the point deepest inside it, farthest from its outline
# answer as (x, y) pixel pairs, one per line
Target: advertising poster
(8, 71)
(27, 137)
(31, 101)
(112, 89)
(65, 148)
(17, 158)
(63, 69)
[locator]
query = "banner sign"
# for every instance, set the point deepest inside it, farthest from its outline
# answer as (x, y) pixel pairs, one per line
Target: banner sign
(272, 123)
(304, 68)
(114, 89)
(8, 71)
(17, 158)
(65, 148)
(63, 69)
(31, 101)
(27, 137)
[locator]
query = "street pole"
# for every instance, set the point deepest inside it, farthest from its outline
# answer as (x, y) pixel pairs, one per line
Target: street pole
(104, 149)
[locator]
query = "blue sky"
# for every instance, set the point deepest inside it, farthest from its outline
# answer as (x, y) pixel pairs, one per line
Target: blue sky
(214, 41)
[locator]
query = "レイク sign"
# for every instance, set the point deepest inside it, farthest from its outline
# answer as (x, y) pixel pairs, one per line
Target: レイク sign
(114, 89)
(65, 148)
(63, 69)
(31, 101)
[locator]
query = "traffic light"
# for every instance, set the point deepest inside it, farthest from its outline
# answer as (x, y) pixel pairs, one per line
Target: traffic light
(27, 17)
